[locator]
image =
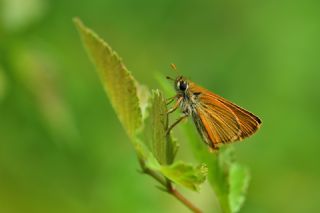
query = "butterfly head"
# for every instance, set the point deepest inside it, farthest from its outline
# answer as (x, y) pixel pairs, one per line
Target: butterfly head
(181, 84)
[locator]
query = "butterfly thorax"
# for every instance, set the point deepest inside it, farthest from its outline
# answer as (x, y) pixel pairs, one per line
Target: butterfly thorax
(189, 97)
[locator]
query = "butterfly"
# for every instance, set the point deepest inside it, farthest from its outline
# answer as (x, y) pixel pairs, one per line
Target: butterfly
(217, 120)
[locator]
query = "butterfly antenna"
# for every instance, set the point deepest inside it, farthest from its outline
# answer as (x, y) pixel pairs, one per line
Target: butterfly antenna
(170, 78)
(173, 67)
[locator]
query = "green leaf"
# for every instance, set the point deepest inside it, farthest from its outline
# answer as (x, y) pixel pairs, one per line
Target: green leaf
(118, 82)
(180, 173)
(225, 175)
(145, 156)
(239, 178)
(185, 174)
(163, 147)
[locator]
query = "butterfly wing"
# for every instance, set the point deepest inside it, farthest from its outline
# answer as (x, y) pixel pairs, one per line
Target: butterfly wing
(219, 120)
(249, 123)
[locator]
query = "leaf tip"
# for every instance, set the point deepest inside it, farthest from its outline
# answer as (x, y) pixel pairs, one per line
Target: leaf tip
(77, 21)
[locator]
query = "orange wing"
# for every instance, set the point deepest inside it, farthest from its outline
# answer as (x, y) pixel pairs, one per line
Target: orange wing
(219, 120)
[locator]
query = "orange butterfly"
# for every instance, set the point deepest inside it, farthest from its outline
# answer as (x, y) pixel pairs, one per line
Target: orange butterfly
(218, 120)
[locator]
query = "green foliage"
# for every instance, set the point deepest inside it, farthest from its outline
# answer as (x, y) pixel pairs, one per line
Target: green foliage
(162, 145)
(163, 148)
(239, 178)
(156, 150)
(228, 178)
(116, 79)
(185, 174)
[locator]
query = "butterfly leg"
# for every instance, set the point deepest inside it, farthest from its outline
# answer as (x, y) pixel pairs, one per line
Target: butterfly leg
(175, 106)
(170, 100)
(184, 116)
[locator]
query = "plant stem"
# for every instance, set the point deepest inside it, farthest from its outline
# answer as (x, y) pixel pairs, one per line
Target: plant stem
(169, 188)
(181, 198)
(154, 174)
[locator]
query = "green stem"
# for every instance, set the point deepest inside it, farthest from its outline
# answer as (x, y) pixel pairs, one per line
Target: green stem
(182, 199)
(169, 188)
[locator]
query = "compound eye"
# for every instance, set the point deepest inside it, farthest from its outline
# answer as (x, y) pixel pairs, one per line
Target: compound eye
(183, 85)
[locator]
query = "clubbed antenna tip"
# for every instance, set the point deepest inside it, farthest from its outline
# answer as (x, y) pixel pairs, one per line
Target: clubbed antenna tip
(173, 66)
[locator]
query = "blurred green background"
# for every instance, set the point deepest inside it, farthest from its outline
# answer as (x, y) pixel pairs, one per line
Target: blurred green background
(62, 148)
